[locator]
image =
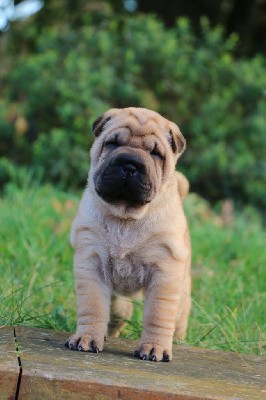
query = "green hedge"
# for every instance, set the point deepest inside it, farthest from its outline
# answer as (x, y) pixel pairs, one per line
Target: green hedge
(51, 97)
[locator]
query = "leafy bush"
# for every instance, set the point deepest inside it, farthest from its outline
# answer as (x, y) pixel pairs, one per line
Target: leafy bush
(75, 74)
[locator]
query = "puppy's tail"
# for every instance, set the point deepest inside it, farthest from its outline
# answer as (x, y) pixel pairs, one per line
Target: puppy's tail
(182, 184)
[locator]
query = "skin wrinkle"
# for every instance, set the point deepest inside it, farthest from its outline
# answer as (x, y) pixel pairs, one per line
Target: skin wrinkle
(123, 250)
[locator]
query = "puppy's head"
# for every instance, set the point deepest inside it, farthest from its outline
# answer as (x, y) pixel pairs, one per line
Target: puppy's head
(133, 155)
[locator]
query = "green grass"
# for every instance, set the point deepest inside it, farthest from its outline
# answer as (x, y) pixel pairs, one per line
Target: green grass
(37, 288)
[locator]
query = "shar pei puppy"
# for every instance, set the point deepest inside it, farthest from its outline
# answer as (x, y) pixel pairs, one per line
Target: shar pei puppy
(131, 236)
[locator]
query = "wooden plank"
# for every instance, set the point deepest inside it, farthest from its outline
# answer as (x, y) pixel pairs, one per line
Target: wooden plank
(9, 367)
(52, 372)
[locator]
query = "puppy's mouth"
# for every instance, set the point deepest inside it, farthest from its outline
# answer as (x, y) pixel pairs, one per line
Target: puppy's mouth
(124, 180)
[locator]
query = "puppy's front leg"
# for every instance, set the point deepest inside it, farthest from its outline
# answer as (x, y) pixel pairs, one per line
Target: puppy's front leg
(159, 314)
(93, 303)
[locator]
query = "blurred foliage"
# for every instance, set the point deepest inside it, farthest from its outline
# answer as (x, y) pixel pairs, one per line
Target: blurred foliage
(245, 17)
(63, 76)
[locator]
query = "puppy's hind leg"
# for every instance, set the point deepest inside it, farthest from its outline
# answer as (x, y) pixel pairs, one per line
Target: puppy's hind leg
(121, 310)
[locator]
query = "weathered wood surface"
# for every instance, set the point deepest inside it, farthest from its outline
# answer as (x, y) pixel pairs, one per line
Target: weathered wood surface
(9, 367)
(49, 371)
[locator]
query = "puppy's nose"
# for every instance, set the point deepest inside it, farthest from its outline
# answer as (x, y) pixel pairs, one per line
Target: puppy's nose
(130, 164)
(130, 169)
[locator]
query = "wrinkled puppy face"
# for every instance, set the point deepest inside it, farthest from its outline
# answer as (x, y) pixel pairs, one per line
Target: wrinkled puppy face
(134, 153)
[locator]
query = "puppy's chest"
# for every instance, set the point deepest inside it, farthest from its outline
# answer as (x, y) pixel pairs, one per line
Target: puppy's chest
(125, 267)
(128, 275)
(122, 241)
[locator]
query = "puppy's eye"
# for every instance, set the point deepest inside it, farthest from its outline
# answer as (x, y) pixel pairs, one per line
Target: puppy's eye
(156, 153)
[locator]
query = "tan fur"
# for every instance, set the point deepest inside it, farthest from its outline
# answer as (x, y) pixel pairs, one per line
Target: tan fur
(183, 184)
(121, 249)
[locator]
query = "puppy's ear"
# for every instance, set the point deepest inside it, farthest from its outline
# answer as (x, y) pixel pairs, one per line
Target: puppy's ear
(98, 124)
(177, 141)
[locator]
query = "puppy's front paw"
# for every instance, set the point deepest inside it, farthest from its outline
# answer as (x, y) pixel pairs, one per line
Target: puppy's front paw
(84, 342)
(153, 352)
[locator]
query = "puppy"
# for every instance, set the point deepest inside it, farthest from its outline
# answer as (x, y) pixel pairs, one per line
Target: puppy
(131, 235)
